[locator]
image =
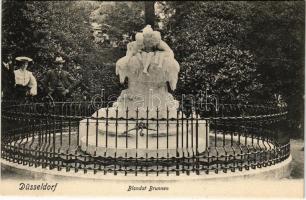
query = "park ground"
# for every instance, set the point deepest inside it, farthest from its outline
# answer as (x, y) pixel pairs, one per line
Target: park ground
(297, 152)
(293, 186)
(297, 164)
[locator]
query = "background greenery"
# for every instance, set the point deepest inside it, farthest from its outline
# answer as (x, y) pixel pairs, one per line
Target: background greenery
(241, 51)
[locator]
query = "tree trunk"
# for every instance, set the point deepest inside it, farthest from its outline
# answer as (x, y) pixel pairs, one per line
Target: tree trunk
(149, 13)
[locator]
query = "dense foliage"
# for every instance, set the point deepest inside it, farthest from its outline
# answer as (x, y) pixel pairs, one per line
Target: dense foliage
(120, 20)
(250, 51)
(206, 37)
(276, 36)
(246, 51)
(44, 30)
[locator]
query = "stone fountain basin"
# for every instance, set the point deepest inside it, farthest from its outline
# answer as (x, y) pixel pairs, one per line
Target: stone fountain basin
(113, 140)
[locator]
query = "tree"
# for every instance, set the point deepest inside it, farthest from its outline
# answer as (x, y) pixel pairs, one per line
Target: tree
(238, 50)
(206, 38)
(276, 36)
(150, 13)
(257, 46)
(120, 20)
(14, 27)
(44, 30)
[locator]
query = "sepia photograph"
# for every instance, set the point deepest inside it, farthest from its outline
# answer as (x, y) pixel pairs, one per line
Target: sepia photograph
(189, 99)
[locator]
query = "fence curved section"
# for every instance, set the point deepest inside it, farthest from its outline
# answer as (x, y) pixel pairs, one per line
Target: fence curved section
(234, 137)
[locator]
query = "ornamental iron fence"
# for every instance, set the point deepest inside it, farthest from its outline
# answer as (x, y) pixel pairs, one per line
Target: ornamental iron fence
(199, 140)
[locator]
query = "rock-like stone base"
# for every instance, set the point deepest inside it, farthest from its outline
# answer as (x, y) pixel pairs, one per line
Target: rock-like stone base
(118, 139)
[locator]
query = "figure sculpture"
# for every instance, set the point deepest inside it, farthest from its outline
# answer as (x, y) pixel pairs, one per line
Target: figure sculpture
(145, 107)
(149, 64)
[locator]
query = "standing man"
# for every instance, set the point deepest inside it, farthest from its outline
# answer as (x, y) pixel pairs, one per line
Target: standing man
(59, 82)
(8, 77)
(25, 82)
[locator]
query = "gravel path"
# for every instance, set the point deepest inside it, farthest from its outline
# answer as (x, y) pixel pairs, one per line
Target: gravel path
(297, 152)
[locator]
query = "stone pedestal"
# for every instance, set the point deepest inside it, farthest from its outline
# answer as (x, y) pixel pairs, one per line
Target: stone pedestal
(144, 120)
(126, 138)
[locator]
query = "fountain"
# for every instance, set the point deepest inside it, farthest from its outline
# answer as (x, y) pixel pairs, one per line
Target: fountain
(145, 131)
(145, 119)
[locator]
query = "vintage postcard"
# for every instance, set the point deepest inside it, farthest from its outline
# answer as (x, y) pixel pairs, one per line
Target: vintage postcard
(184, 99)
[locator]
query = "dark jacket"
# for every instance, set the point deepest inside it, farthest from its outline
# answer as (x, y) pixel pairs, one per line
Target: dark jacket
(55, 80)
(7, 80)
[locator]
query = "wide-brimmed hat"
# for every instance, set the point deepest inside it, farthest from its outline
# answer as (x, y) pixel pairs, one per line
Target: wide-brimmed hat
(59, 60)
(24, 59)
